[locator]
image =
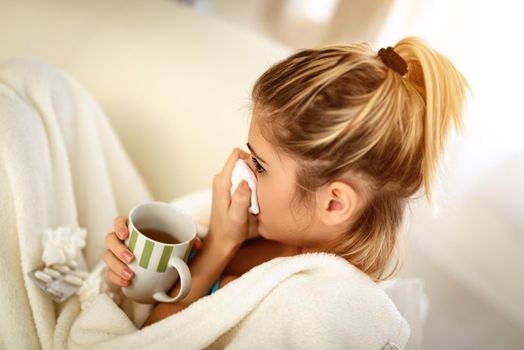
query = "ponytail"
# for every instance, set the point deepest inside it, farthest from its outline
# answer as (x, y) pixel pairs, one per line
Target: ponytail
(442, 87)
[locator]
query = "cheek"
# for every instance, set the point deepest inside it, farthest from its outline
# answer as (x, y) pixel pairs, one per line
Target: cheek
(261, 199)
(272, 203)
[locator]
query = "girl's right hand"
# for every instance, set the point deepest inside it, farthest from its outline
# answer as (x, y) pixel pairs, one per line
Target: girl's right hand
(117, 255)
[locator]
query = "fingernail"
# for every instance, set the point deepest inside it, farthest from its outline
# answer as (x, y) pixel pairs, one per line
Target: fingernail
(121, 232)
(245, 185)
(128, 256)
(127, 274)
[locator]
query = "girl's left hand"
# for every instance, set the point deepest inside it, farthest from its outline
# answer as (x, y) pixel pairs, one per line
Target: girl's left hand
(229, 221)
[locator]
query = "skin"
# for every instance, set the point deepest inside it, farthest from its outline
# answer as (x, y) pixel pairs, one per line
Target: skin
(280, 230)
(277, 221)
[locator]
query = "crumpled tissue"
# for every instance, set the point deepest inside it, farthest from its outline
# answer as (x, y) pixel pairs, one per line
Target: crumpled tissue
(94, 285)
(62, 245)
(241, 171)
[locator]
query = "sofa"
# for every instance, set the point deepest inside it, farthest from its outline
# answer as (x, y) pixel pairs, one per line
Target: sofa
(172, 81)
(174, 84)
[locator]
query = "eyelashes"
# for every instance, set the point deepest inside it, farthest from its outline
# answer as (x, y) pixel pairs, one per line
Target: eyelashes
(257, 165)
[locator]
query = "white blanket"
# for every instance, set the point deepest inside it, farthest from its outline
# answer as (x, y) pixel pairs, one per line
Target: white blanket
(62, 165)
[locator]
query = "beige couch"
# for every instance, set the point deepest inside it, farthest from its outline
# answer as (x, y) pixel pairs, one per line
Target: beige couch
(174, 83)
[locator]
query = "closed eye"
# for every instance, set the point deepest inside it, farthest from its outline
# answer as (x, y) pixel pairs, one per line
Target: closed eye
(257, 165)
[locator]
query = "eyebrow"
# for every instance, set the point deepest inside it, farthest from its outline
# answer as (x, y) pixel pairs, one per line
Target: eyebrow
(255, 153)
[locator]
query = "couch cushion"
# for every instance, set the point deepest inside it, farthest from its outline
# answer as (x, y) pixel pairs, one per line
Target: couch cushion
(174, 82)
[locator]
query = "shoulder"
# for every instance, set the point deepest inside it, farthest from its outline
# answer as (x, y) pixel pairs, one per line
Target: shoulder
(333, 298)
(338, 283)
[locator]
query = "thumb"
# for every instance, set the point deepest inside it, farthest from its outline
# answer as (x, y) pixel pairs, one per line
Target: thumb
(240, 200)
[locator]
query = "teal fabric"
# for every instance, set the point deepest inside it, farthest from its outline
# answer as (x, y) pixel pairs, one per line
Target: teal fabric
(216, 285)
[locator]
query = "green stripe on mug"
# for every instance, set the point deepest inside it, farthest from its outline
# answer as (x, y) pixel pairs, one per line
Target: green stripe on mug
(188, 250)
(146, 254)
(132, 240)
(166, 254)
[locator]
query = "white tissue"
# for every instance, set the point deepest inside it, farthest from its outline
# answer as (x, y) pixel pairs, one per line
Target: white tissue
(88, 292)
(241, 171)
(62, 245)
(94, 285)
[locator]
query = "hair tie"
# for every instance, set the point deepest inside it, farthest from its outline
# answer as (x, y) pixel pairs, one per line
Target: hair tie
(393, 60)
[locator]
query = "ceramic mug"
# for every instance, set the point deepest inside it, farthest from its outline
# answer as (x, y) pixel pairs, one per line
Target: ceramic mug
(160, 237)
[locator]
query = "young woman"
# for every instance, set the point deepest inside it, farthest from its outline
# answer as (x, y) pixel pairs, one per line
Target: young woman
(341, 137)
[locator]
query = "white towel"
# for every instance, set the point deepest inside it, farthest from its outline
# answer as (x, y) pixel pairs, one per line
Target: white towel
(241, 171)
(61, 164)
(308, 301)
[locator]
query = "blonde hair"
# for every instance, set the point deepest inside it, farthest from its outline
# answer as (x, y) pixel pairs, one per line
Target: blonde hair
(342, 114)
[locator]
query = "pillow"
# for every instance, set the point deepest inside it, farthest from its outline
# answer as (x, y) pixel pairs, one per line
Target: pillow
(412, 302)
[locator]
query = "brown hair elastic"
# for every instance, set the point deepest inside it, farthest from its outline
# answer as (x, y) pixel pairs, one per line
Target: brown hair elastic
(393, 60)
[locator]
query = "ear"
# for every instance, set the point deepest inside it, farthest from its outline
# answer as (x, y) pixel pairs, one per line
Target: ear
(339, 202)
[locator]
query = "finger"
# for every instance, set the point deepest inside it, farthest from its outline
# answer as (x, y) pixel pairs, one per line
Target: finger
(240, 203)
(235, 154)
(112, 277)
(197, 244)
(118, 248)
(223, 179)
(226, 172)
(253, 226)
(120, 226)
(115, 265)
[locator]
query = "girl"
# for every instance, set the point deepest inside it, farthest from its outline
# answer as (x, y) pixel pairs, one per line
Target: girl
(340, 138)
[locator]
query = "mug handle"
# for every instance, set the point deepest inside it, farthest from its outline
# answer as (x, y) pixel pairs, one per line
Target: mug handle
(185, 281)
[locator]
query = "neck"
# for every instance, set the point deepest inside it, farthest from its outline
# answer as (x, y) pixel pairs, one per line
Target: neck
(304, 250)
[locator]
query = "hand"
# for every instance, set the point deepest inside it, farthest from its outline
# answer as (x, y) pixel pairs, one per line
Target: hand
(114, 256)
(229, 222)
(253, 227)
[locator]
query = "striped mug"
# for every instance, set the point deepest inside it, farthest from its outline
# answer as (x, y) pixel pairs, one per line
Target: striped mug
(161, 237)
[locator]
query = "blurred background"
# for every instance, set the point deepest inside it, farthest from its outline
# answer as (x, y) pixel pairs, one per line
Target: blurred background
(471, 255)
(136, 57)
